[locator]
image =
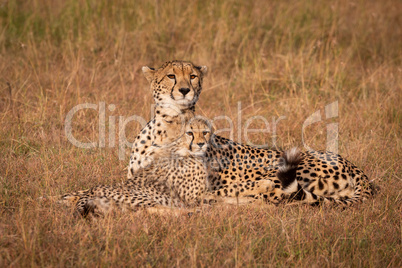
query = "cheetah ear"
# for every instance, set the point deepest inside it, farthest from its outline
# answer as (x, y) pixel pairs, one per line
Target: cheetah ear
(203, 69)
(148, 73)
(212, 128)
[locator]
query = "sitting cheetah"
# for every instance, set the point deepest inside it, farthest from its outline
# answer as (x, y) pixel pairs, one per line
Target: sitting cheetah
(176, 88)
(172, 111)
(233, 168)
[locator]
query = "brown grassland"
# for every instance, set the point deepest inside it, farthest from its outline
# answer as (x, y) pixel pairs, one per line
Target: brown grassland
(278, 58)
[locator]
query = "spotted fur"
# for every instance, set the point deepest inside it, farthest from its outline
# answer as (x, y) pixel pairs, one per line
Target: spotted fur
(176, 88)
(176, 178)
(240, 170)
(324, 177)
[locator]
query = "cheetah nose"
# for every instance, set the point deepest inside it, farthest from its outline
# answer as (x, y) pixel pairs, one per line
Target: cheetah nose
(200, 144)
(184, 91)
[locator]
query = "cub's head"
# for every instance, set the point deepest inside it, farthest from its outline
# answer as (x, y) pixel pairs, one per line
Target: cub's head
(177, 83)
(196, 138)
(193, 142)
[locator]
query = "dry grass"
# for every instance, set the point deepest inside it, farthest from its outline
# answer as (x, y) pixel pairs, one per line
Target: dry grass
(285, 58)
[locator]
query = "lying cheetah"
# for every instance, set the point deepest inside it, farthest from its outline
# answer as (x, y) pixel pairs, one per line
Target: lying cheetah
(233, 168)
(176, 178)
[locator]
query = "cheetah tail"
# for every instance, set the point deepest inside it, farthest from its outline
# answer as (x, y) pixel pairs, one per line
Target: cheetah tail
(287, 170)
(287, 175)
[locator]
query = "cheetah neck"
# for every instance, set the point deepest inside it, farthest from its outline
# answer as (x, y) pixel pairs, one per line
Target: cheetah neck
(169, 112)
(173, 110)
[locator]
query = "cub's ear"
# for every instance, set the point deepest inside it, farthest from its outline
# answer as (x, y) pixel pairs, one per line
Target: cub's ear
(212, 128)
(203, 69)
(148, 73)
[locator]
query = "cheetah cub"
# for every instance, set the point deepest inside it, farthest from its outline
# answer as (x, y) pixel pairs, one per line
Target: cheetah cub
(176, 178)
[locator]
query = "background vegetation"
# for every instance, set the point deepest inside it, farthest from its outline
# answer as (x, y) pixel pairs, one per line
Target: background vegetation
(279, 58)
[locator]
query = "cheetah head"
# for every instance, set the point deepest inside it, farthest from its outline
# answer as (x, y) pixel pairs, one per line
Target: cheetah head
(176, 83)
(197, 136)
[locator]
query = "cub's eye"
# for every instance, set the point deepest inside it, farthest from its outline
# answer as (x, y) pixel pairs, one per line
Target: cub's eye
(189, 133)
(205, 133)
(171, 76)
(192, 76)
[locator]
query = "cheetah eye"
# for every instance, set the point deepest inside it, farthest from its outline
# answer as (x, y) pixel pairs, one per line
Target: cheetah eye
(205, 133)
(192, 76)
(189, 133)
(171, 76)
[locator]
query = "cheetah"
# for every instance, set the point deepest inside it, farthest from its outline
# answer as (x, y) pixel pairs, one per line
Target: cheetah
(171, 113)
(176, 88)
(235, 169)
(176, 178)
